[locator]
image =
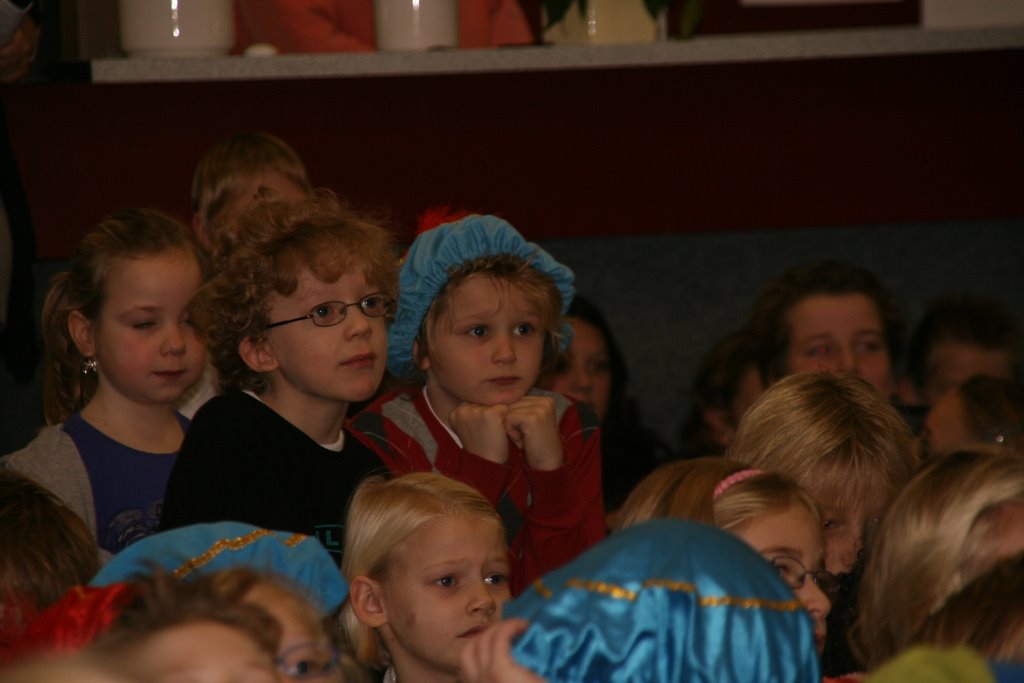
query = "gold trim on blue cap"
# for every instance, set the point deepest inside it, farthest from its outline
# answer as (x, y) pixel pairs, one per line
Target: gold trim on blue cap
(621, 593)
(217, 548)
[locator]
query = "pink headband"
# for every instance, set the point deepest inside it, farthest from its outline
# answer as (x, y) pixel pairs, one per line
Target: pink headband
(734, 478)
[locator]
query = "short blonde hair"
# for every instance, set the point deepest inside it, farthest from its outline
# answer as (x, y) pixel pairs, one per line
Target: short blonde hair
(382, 514)
(931, 542)
(685, 489)
(274, 242)
(832, 433)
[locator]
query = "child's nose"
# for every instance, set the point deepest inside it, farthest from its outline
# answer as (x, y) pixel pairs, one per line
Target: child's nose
(483, 602)
(814, 599)
(504, 351)
(174, 342)
(355, 323)
(581, 380)
(845, 360)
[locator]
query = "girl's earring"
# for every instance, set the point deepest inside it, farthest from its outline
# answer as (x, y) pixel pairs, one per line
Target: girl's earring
(89, 366)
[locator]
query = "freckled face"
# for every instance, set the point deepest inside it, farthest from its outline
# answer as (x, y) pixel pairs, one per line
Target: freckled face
(839, 333)
(447, 582)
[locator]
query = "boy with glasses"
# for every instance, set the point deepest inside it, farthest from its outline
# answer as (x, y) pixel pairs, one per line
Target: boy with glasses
(295, 322)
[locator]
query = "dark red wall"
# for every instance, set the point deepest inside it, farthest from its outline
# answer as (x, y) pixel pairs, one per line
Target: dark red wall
(564, 154)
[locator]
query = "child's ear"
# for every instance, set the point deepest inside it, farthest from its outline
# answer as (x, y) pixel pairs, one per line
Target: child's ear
(365, 596)
(422, 361)
(257, 355)
(80, 329)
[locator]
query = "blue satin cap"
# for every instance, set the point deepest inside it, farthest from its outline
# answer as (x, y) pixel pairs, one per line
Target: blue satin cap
(191, 551)
(666, 601)
(427, 268)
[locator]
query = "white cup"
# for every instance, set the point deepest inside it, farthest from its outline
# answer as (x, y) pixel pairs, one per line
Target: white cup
(176, 28)
(416, 24)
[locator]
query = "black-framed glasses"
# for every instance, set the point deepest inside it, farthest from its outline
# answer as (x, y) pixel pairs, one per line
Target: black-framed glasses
(331, 313)
(794, 574)
(308, 660)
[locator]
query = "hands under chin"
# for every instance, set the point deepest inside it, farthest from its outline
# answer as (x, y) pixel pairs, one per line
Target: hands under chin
(529, 423)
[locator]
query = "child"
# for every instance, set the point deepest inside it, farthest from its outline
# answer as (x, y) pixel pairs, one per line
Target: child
(480, 312)
(593, 370)
(987, 614)
(120, 351)
(981, 410)
(829, 316)
(726, 384)
(231, 173)
(960, 336)
(768, 511)
(295, 320)
(228, 178)
(175, 631)
(47, 549)
(427, 568)
(842, 442)
(959, 515)
(291, 576)
(838, 439)
(645, 606)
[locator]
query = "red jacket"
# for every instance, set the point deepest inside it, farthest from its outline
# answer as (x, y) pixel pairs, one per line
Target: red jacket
(549, 516)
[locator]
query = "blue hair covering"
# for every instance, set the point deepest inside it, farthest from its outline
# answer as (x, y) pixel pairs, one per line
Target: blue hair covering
(427, 269)
(668, 600)
(191, 551)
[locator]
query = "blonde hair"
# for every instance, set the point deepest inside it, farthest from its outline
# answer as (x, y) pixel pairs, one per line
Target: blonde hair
(274, 242)
(935, 538)
(685, 489)
(223, 169)
(832, 433)
(127, 234)
(517, 274)
(382, 515)
(986, 614)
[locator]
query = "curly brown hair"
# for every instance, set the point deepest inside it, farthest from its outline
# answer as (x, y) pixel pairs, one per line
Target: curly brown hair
(274, 242)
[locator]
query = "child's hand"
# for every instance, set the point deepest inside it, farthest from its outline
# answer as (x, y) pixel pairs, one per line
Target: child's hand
(482, 430)
(488, 657)
(531, 425)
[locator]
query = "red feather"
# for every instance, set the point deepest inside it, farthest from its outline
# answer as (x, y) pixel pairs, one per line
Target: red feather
(438, 215)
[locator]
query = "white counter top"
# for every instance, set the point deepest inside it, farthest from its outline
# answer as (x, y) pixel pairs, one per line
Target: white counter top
(720, 49)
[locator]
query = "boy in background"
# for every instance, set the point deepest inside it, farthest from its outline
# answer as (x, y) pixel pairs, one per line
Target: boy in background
(958, 337)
